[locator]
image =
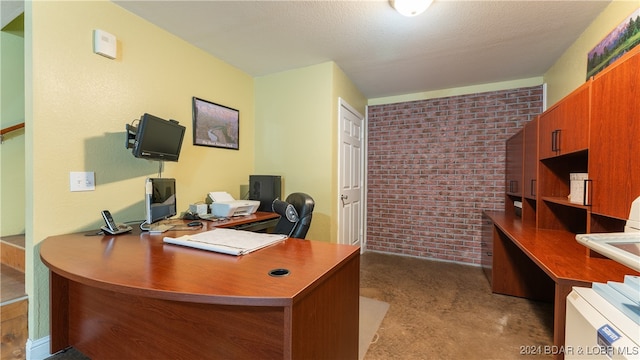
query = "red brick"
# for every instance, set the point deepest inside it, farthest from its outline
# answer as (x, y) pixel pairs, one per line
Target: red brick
(434, 165)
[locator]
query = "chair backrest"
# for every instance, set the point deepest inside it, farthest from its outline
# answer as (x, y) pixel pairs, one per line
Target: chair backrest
(304, 205)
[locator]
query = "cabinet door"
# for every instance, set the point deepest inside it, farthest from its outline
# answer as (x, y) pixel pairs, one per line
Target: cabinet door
(530, 159)
(564, 128)
(614, 152)
(513, 169)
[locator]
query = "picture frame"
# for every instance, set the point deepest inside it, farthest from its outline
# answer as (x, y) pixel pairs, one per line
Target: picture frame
(617, 43)
(215, 125)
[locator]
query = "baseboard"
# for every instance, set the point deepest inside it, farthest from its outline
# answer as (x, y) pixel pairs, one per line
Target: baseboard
(38, 349)
(425, 258)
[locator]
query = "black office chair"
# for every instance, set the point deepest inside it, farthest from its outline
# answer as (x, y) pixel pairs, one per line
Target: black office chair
(295, 215)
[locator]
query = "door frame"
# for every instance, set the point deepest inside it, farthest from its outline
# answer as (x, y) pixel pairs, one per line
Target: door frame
(363, 170)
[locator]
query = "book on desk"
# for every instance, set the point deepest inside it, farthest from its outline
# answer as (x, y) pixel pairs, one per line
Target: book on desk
(227, 241)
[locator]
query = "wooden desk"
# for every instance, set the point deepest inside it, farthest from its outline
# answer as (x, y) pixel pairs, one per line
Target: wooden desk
(132, 296)
(545, 264)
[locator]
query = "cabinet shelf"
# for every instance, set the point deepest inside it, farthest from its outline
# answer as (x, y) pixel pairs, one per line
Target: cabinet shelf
(563, 201)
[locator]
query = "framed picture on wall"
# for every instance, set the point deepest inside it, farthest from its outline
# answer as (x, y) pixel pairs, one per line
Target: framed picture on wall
(617, 43)
(215, 125)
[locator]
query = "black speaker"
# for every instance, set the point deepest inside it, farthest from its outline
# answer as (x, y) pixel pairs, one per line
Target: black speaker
(265, 188)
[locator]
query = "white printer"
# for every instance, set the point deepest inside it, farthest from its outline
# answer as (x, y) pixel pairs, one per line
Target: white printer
(224, 205)
(603, 322)
(633, 223)
(623, 247)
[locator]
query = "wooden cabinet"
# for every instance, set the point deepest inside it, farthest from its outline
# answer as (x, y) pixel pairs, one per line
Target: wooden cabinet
(513, 174)
(521, 172)
(530, 159)
(513, 158)
(607, 109)
(563, 142)
(530, 172)
(564, 128)
(614, 150)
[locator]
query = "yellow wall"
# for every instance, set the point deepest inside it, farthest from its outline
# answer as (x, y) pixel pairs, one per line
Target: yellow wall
(293, 127)
(344, 88)
(12, 113)
(570, 70)
(78, 104)
(296, 135)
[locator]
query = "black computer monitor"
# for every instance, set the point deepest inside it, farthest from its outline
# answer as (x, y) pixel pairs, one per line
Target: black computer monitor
(160, 199)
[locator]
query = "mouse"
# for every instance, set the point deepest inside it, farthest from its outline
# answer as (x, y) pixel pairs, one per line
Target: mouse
(195, 223)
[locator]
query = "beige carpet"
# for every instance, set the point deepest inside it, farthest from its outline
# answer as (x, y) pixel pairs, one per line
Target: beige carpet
(371, 314)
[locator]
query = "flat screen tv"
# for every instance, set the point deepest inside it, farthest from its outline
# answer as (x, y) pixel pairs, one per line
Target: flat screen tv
(160, 199)
(157, 139)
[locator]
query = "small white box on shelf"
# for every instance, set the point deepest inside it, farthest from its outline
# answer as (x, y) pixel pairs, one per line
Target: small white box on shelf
(577, 194)
(517, 206)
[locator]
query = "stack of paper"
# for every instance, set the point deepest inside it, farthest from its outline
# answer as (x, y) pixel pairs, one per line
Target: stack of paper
(227, 241)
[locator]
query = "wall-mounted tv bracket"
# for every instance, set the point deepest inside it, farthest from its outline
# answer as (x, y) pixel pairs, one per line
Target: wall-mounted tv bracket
(131, 136)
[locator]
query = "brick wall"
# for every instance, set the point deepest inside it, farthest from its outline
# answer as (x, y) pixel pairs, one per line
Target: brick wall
(434, 165)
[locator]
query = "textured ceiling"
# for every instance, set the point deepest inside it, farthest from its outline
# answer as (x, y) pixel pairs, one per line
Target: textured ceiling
(452, 44)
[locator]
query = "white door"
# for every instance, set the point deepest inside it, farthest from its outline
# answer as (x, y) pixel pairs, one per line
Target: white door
(351, 174)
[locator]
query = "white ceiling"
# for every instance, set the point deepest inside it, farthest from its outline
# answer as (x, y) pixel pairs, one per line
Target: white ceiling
(452, 44)
(9, 10)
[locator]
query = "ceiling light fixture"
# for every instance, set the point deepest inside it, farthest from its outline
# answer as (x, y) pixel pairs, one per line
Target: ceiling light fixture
(410, 7)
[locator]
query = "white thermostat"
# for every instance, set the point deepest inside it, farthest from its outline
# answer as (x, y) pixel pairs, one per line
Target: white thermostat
(104, 44)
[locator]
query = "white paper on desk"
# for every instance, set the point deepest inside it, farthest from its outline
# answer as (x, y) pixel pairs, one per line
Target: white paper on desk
(227, 241)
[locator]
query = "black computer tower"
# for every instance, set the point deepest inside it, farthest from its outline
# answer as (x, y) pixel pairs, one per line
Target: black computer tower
(265, 188)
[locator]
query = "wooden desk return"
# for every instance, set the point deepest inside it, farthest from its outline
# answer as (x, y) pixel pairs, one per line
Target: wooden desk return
(131, 296)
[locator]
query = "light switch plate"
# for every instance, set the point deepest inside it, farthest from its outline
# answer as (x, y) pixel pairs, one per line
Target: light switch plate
(82, 181)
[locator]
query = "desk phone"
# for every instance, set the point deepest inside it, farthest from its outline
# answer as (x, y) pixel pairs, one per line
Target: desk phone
(111, 227)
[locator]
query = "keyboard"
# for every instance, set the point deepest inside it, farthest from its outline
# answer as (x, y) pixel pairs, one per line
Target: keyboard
(257, 226)
(159, 229)
(211, 217)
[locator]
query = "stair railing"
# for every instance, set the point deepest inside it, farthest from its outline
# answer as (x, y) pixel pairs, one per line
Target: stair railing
(10, 129)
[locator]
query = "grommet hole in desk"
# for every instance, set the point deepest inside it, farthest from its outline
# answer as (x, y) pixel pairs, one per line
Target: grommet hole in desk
(279, 272)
